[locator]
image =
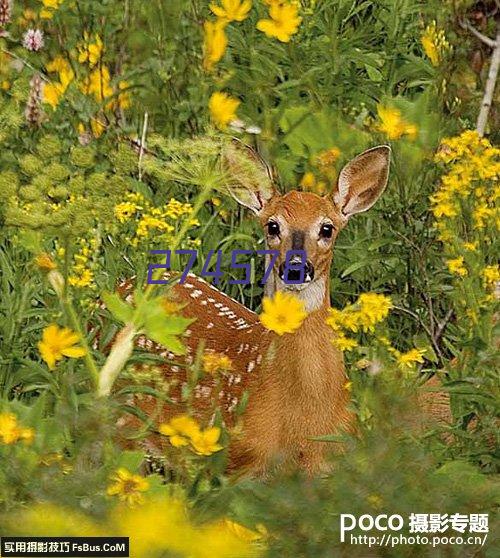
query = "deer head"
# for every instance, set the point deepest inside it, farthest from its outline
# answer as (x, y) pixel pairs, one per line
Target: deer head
(306, 221)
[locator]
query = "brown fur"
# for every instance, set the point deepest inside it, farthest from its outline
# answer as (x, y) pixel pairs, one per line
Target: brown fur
(296, 382)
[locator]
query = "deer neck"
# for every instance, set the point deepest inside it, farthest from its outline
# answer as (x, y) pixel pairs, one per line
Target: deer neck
(312, 359)
(314, 295)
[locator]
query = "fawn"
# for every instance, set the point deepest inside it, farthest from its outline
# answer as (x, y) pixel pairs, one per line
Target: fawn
(296, 382)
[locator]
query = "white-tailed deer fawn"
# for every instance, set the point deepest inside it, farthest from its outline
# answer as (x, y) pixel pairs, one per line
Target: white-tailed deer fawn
(296, 382)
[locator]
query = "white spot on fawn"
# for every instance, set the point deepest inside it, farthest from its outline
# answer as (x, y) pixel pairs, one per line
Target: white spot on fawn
(251, 366)
(232, 406)
(206, 391)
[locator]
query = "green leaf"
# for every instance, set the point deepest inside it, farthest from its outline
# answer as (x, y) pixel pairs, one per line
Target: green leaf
(373, 73)
(31, 241)
(357, 265)
(169, 341)
(148, 390)
(118, 308)
(131, 460)
(155, 317)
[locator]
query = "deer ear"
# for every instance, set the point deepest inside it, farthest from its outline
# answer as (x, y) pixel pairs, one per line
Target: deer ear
(362, 181)
(249, 178)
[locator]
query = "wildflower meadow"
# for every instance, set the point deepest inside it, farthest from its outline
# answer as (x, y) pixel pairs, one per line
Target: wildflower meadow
(116, 118)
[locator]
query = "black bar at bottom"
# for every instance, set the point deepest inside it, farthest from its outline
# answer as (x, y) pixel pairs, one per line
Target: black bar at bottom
(57, 547)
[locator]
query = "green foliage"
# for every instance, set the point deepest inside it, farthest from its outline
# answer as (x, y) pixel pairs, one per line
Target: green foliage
(83, 200)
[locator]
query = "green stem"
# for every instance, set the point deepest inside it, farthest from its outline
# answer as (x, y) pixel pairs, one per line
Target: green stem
(75, 324)
(64, 298)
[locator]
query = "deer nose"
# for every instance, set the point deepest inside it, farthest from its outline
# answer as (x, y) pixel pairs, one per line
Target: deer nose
(297, 275)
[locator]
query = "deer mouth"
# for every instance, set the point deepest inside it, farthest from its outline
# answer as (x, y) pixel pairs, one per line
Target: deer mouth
(296, 279)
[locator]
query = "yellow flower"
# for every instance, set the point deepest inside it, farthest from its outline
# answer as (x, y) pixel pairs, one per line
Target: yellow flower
(57, 343)
(328, 157)
(457, 266)
(148, 222)
(491, 274)
(232, 10)
(283, 23)
(163, 527)
(170, 306)
(373, 309)
(470, 246)
(393, 125)
(127, 486)
(11, 432)
(97, 126)
(205, 443)
(54, 4)
(369, 309)
(430, 48)
(481, 215)
(60, 65)
(81, 277)
(53, 91)
(243, 533)
(410, 357)
(47, 12)
(214, 362)
(344, 343)
(180, 430)
(309, 183)
(125, 210)
(124, 101)
(45, 262)
(375, 500)
(434, 43)
(184, 430)
(90, 52)
(223, 109)
(98, 83)
(27, 16)
(283, 314)
(214, 43)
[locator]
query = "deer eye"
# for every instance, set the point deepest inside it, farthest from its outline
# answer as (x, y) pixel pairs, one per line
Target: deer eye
(273, 228)
(326, 231)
